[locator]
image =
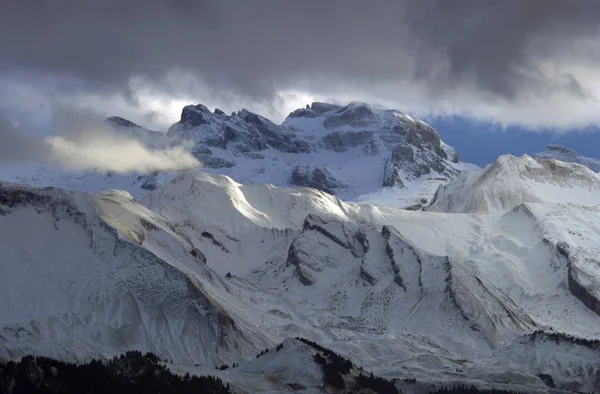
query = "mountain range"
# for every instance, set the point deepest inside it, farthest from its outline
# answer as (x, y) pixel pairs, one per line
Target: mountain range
(349, 228)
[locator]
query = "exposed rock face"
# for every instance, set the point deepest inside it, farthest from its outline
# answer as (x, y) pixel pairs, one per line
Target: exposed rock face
(321, 108)
(419, 153)
(349, 237)
(296, 258)
(150, 184)
(582, 294)
(353, 114)
(341, 239)
(214, 162)
(391, 176)
(317, 178)
(406, 164)
(579, 291)
(341, 141)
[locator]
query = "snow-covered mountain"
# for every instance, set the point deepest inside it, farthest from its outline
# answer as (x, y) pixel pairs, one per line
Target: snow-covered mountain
(495, 283)
(205, 270)
(567, 155)
(351, 151)
(510, 181)
(357, 152)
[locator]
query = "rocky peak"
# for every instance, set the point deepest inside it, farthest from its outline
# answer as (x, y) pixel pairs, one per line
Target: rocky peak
(117, 121)
(561, 153)
(242, 133)
(195, 115)
(413, 148)
(560, 149)
(409, 148)
(149, 137)
(317, 178)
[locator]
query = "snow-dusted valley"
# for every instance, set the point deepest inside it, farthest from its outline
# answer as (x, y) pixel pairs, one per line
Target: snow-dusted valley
(353, 227)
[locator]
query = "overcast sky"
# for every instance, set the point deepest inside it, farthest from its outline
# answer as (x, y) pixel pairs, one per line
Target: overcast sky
(529, 63)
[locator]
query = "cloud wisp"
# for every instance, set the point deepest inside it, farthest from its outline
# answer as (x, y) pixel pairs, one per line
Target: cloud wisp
(91, 147)
(121, 155)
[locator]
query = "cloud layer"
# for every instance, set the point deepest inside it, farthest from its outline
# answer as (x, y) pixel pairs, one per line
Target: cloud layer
(531, 63)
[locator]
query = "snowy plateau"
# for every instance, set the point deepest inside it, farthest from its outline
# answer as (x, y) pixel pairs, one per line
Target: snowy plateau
(352, 226)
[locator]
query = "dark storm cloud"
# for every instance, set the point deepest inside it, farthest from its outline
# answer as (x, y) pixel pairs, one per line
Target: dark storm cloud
(235, 44)
(255, 48)
(499, 42)
(18, 145)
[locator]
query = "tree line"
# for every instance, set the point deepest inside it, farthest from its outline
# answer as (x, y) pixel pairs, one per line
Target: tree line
(130, 373)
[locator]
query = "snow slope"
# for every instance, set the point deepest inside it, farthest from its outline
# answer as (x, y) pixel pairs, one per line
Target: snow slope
(495, 283)
(510, 181)
(92, 275)
(429, 288)
(402, 293)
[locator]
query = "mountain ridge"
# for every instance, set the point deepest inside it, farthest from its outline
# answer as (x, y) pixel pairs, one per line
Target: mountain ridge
(357, 152)
(403, 293)
(320, 145)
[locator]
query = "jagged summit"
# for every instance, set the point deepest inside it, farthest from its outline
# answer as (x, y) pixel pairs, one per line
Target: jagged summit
(199, 114)
(562, 153)
(346, 150)
(240, 134)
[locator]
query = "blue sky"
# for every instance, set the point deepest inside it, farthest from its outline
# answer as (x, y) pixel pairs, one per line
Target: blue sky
(481, 143)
